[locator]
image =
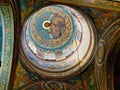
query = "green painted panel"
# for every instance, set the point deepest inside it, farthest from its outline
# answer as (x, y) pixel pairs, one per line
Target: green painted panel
(7, 43)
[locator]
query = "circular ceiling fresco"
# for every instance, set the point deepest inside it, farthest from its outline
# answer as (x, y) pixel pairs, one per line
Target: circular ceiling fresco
(57, 41)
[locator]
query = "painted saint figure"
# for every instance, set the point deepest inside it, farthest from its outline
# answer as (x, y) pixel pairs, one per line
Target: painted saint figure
(58, 26)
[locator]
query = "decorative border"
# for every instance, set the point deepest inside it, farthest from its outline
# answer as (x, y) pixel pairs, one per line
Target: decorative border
(45, 85)
(100, 4)
(7, 45)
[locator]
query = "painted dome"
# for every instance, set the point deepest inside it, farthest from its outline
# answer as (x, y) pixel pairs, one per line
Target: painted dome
(57, 41)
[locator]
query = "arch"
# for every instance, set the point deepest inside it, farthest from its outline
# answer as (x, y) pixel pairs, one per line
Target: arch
(10, 26)
(104, 48)
(7, 45)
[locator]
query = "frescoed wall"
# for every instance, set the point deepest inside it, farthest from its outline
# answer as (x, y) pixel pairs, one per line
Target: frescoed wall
(15, 74)
(83, 81)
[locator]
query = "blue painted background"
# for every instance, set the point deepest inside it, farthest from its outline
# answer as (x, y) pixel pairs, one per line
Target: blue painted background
(0, 38)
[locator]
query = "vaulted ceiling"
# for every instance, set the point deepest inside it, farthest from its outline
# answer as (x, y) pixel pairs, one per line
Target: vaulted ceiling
(59, 45)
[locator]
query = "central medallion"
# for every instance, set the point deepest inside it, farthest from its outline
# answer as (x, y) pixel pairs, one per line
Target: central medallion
(46, 25)
(55, 22)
